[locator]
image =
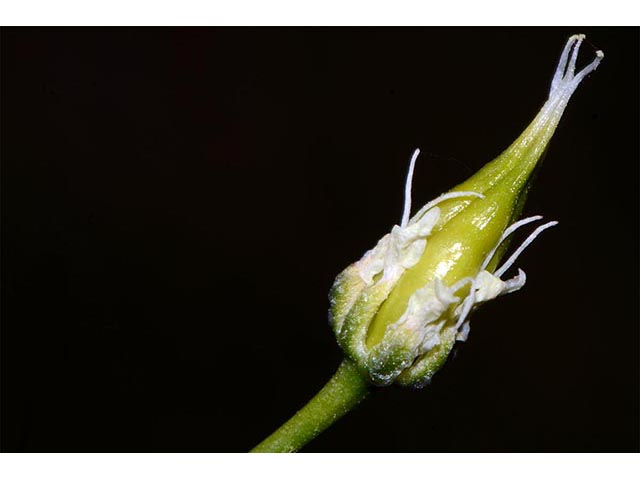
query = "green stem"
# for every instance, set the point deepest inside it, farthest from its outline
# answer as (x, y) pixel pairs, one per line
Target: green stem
(342, 392)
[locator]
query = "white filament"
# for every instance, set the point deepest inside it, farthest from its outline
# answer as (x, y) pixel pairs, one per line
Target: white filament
(442, 198)
(522, 247)
(406, 211)
(512, 228)
(467, 304)
(407, 189)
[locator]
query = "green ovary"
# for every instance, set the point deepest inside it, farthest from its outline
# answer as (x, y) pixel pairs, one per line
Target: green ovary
(470, 228)
(466, 234)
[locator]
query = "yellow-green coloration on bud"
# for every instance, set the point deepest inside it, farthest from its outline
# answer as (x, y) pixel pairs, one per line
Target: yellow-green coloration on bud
(398, 311)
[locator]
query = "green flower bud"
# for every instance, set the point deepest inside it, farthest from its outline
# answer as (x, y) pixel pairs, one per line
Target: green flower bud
(398, 311)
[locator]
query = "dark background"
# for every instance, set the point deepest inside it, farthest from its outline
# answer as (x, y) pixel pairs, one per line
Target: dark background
(177, 202)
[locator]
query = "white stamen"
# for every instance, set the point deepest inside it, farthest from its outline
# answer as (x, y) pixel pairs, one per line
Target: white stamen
(467, 304)
(460, 283)
(522, 247)
(515, 283)
(407, 190)
(512, 228)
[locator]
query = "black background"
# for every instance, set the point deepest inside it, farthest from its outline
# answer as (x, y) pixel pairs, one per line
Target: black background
(177, 202)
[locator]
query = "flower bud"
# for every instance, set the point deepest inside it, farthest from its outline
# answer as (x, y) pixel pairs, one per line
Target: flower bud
(398, 311)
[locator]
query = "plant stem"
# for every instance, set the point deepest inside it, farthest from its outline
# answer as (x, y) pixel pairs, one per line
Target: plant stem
(342, 392)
